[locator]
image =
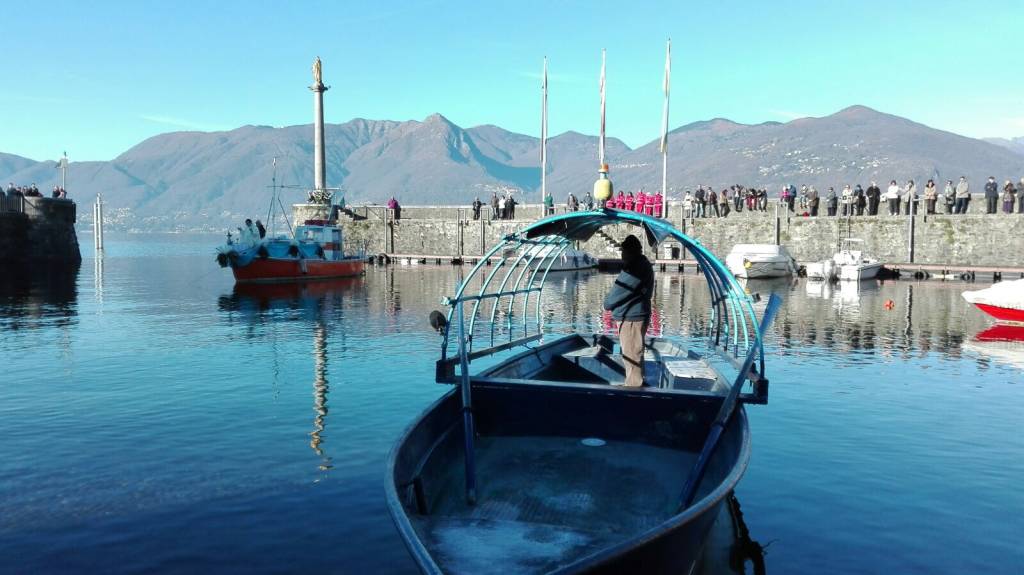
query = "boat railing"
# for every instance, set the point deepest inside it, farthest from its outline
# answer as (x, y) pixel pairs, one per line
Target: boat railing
(498, 306)
(732, 310)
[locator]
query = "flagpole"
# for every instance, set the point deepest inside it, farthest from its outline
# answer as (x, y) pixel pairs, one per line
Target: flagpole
(664, 130)
(544, 137)
(600, 142)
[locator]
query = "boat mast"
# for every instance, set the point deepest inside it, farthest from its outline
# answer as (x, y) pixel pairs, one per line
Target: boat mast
(666, 84)
(600, 141)
(544, 135)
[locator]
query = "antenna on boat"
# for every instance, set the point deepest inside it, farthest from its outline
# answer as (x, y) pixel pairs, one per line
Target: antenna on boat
(273, 194)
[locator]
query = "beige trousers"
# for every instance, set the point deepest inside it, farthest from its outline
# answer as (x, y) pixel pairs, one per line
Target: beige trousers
(631, 340)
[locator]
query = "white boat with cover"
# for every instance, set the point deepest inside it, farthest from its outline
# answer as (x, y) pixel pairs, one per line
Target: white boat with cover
(754, 261)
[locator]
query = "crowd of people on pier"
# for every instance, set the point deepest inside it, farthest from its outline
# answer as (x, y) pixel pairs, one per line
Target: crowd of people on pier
(706, 203)
(503, 207)
(31, 191)
(894, 199)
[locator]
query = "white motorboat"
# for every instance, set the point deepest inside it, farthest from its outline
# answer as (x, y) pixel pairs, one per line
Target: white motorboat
(755, 261)
(1003, 301)
(848, 264)
(852, 264)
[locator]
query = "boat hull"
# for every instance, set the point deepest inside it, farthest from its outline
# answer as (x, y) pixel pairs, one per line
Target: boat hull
(858, 272)
(430, 450)
(1002, 313)
(752, 269)
(270, 270)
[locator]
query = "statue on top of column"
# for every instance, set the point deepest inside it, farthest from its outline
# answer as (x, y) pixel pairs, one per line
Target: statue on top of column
(317, 80)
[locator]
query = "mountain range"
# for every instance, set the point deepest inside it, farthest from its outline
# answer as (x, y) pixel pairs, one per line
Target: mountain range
(208, 180)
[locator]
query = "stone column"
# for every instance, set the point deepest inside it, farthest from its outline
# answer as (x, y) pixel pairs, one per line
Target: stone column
(319, 164)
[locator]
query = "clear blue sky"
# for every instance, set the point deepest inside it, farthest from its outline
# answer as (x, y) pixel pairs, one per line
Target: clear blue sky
(96, 78)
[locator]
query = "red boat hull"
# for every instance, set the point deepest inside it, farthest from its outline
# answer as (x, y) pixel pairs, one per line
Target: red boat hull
(1002, 313)
(288, 270)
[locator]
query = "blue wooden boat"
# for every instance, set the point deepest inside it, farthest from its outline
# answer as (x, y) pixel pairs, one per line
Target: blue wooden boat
(538, 462)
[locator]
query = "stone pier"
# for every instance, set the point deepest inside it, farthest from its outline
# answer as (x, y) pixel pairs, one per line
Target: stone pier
(38, 230)
(450, 231)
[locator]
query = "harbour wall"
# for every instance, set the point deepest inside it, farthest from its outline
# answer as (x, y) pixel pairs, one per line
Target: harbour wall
(953, 240)
(38, 229)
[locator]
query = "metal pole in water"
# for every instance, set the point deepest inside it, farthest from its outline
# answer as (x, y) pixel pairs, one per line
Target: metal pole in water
(910, 232)
(97, 224)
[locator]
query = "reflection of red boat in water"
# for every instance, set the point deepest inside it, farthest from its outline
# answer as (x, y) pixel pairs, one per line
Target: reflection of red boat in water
(1003, 301)
(1001, 342)
(1002, 332)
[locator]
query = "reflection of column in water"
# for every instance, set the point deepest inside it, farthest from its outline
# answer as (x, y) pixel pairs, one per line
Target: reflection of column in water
(910, 306)
(320, 389)
(97, 276)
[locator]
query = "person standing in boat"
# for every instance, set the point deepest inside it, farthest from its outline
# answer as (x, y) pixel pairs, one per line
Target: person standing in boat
(630, 304)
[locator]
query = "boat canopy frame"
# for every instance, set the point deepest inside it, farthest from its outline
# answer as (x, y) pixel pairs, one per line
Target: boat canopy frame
(524, 260)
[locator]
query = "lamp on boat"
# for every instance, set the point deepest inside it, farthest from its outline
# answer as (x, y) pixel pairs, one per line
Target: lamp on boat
(603, 186)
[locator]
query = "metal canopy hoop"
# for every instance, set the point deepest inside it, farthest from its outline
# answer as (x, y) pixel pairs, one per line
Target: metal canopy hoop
(524, 260)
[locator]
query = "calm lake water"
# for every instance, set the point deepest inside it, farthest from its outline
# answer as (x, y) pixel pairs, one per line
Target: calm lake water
(153, 419)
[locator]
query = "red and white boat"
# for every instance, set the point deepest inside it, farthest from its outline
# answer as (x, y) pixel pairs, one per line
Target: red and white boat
(315, 252)
(1003, 301)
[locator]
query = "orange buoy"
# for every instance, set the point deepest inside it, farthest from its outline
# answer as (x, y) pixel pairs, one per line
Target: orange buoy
(889, 304)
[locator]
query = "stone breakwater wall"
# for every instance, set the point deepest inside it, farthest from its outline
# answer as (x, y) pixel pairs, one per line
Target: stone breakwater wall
(954, 240)
(39, 229)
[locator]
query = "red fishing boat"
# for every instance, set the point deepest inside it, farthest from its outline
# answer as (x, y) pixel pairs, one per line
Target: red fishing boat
(315, 251)
(1003, 301)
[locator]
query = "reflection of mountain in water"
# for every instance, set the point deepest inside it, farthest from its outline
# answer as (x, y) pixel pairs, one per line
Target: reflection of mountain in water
(40, 294)
(320, 303)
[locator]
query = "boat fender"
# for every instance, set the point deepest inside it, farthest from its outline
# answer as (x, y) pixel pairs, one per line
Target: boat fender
(293, 251)
(919, 275)
(263, 253)
(320, 252)
(222, 259)
(965, 276)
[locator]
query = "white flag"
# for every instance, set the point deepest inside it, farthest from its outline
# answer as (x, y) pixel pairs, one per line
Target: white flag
(600, 142)
(666, 85)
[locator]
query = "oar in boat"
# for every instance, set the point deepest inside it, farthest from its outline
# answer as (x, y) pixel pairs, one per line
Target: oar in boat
(728, 407)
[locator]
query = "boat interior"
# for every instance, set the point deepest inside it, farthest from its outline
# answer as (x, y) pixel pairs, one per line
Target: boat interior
(562, 471)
